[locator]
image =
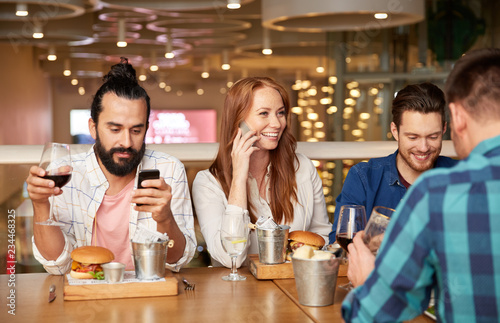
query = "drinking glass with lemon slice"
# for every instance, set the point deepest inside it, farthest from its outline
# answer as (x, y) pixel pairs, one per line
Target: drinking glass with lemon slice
(234, 236)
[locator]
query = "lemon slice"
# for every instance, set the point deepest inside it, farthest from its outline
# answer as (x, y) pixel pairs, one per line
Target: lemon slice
(239, 241)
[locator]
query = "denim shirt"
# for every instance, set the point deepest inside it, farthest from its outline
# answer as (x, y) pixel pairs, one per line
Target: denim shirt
(375, 183)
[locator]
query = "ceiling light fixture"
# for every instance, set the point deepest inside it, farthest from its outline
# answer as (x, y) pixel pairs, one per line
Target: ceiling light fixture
(205, 74)
(381, 15)
(52, 54)
(169, 53)
(121, 33)
(266, 42)
(320, 68)
(153, 67)
(67, 67)
(37, 31)
(21, 9)
(230, 80)
(225, 61)
(142, 75)
(161, 81)
(324, 15)
(233, 4)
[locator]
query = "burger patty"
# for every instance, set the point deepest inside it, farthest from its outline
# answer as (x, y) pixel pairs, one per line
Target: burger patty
(294, 245)
(84, 268)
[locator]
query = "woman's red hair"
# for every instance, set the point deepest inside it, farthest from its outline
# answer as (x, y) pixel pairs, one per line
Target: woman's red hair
(283, 187)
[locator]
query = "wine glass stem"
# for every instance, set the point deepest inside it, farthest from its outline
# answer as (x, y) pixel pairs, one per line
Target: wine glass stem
(233, 265)
(51, 214)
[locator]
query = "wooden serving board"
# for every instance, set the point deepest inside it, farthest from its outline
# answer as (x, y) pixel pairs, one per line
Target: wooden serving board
(168, 287)
(263, 271)
(280, 271)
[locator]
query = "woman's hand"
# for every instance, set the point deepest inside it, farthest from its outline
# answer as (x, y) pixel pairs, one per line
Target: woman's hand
(242, 150)
(243, 147)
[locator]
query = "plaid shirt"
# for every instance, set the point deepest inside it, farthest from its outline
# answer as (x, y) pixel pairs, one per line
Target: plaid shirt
(82, 196)
(445, 236)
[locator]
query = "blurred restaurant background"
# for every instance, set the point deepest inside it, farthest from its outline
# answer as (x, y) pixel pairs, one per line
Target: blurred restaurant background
(341, 61)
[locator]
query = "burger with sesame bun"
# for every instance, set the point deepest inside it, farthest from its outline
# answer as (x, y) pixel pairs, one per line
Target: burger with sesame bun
(298, 239)
(87, 262)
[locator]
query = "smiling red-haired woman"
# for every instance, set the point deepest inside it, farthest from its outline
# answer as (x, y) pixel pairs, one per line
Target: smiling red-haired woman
(257, 172)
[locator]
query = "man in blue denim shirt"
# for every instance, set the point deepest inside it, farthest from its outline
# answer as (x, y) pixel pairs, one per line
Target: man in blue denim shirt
(418, 114)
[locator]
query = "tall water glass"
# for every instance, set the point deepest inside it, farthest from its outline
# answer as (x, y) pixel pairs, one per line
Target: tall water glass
(234, 236)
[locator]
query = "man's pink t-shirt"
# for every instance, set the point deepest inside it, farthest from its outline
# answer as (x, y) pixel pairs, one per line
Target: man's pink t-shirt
(111, 225)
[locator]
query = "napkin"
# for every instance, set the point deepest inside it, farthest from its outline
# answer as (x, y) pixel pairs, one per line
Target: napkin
(143, 235)
(264, 222)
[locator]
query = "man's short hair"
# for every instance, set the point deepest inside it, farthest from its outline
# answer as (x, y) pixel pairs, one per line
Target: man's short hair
(423, 98)
(474, 82)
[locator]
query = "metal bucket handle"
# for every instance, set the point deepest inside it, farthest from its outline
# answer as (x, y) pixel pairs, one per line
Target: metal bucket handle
(169, 244)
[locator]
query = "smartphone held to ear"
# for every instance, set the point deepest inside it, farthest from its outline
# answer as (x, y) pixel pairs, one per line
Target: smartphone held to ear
(145, 175)
(244, 128)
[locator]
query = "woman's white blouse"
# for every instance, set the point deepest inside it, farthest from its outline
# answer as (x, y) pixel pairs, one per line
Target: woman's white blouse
(210, 204)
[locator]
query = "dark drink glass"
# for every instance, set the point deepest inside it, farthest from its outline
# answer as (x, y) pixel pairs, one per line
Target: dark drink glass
(59, 180)
(352, 219)
(56, 161)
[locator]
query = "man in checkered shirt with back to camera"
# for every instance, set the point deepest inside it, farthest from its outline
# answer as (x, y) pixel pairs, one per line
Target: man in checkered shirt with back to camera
(445, 234)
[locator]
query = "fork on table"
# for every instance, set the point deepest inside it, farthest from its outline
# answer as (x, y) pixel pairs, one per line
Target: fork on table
(188, 285)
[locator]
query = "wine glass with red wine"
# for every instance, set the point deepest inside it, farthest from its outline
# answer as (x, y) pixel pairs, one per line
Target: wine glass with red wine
(56, 161)
(352, 218)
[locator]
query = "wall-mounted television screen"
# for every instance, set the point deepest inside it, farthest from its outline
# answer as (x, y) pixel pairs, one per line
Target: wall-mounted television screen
(165, 126)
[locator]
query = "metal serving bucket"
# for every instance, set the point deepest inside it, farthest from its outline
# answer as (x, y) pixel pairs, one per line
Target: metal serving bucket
(272, 244)
(150, 259)
(316, 280)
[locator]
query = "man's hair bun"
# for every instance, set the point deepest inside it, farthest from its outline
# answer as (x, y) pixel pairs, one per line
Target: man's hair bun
(122, 72)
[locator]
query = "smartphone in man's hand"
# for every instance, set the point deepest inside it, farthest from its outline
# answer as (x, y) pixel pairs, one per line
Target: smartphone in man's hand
(146, 174)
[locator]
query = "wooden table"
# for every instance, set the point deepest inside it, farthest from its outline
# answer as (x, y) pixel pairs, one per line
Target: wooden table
(213, 300)
(330, 313)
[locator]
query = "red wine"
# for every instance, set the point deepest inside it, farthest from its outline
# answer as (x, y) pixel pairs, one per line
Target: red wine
(60, 180)
(343, 240)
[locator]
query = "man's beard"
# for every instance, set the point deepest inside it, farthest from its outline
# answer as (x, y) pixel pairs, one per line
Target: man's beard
(419, 167)
(124, 166)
